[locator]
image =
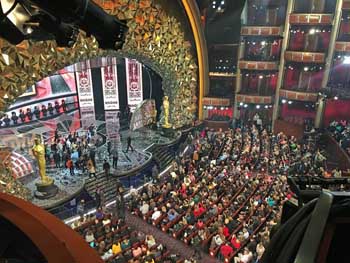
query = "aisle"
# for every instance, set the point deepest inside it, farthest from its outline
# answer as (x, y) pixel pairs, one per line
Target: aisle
(174, 245)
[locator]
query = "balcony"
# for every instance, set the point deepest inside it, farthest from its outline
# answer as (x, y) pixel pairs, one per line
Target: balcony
(258, 65)
(304, 57)
(298, 95)
(314, 6)
(341, 46)
(241, 98)
(310, 19)
(261, 31)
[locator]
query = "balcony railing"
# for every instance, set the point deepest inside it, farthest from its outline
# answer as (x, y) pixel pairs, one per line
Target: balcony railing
(298, 95)
(261, 31)
(305, 57)
(253, 99)
(310, 19)
(258, 65)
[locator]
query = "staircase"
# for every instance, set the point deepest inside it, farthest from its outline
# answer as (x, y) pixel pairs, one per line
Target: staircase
(162, 155)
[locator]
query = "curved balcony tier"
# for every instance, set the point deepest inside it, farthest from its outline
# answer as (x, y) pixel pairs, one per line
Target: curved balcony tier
(253, 99)
(297, 95)
(310, 19)
(341, 46)
(305, 57)
(261, 31)
(258, 65)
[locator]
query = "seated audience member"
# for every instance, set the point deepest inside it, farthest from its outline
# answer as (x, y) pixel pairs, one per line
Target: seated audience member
(6, 120)
(150, 241)
(125, 244)
(156, 214)
(14, 117)
(22, 116)
(89, 236)
(226, 250)
(144, 209)
(246, 257)
(44, 111)
(116, 247)
(172, 214)
(36, 112)
(29, 114)
(50, 108)
(57, 107)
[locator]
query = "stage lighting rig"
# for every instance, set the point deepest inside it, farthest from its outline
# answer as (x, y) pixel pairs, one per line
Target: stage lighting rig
(59, 20)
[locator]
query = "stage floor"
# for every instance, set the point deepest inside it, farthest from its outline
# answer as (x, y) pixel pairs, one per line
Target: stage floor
(70, 186)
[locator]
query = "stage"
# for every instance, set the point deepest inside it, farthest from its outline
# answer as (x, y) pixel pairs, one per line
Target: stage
(129, 163)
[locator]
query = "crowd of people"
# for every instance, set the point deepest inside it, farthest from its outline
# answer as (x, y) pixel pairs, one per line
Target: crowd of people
(36, 113)
(75, 152)
(340, 130)
(116, 242)
(225, 198)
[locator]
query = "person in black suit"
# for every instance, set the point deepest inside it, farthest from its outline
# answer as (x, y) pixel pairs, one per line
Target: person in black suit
(50, 108)
(22, 116)
(44, 110)
(29, 114)
(129, 146)
(14, 117)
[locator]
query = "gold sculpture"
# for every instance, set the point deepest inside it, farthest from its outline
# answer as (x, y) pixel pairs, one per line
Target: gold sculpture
(39, 154)
(166, 112)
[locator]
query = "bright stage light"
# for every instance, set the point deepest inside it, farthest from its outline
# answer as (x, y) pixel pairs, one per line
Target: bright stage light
(346, 60)
(284, 101)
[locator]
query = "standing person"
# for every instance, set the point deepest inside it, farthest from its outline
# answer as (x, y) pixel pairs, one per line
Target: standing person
(98, 197)
(115, 158)
(91, 168)
(50, 108)
(70, 166)
(106, 167)
(14, 117)
(120, 203)
(129, 144)
(109, 148)
(22, 116)
(81, 208)
(57, 159)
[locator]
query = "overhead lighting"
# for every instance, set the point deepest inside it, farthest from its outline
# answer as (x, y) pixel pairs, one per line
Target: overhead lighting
(284, 101)
(306, 68)
(258, 106)
(266, 107)
(346, 60)
(312, 31)
(290, 102)
(336, 98)
(263, 43)
(241, 104)
(245, 105)
(261, 76)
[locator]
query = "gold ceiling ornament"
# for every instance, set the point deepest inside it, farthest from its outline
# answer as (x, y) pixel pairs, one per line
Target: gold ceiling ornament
(169, 54)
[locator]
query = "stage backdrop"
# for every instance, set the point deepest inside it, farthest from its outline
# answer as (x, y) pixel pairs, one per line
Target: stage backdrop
(110, 86)
(85, 94)
(134, 82)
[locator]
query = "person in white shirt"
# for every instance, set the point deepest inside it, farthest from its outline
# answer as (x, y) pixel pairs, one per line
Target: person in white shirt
(156, 214)
(144, 208)
(246, 257)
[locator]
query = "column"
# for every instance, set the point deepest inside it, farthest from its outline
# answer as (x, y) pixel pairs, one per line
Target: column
(320, 111)
(333, 38)
(282, 62)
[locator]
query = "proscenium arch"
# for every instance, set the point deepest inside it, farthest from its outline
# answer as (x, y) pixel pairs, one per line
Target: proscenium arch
(154, 38)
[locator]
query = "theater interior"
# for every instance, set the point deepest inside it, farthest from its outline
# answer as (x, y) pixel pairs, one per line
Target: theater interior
(182, 131)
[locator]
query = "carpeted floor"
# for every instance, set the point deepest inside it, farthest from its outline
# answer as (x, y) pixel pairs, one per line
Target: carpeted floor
(174, 245)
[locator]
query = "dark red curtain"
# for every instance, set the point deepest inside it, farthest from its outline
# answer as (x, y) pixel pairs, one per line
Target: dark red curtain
(219, 112)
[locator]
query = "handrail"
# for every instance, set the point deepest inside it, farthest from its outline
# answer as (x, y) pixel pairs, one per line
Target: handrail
(314, 232)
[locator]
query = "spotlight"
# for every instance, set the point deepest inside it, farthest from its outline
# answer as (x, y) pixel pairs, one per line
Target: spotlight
(245, 105)
(263, 43)
(258, 106)
(336, 98)
(290, 102)
(284, 101)
(241, 104)
(306, 68)
(346, 60)
(312, 31)
(266, 107)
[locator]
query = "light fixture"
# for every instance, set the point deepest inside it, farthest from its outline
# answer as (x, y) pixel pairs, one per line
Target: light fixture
(306, 68)
(312, 31)
(290, 102)
(336, 98)
(261, 76)
(245, 105)
(284, 101)
(241, 104)
(346, 60)
(263, 43)
(266, 107)
(258, 106)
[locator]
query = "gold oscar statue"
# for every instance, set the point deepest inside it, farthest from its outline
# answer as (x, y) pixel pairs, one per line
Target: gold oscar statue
(39, 154)
(166, 112)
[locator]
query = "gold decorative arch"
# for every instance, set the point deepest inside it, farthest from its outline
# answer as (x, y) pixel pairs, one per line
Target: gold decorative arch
(154, 38)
